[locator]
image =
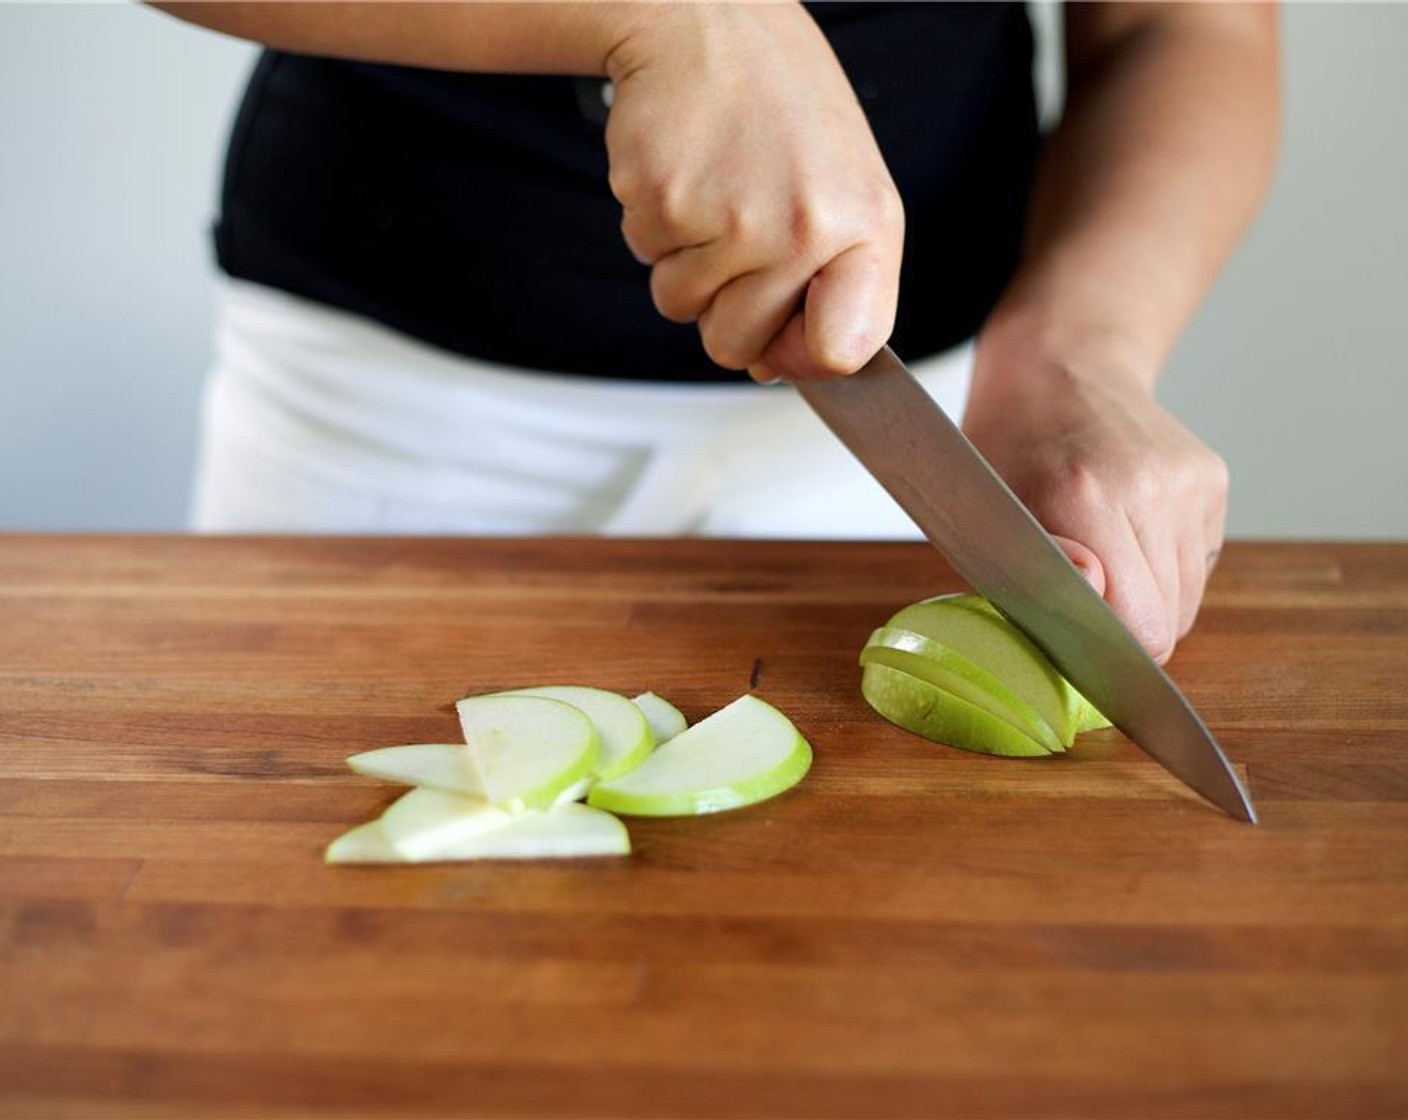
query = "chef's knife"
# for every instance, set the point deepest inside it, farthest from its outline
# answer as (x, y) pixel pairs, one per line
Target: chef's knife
(887, 420)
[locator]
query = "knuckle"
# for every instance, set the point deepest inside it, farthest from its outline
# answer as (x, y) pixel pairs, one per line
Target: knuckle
(804, 229)
(725, 347)
(1081, 486)
(883, 212)
(624, 183)
(1219, 475)
(673, 299)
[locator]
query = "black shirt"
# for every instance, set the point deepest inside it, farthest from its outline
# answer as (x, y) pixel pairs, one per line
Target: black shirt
(471, 211)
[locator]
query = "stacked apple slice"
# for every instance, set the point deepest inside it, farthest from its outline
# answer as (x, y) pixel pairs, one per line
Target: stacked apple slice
(512, 789)
(955, 670)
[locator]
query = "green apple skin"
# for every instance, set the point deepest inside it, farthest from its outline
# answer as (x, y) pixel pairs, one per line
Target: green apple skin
(920, 707)
(526, 750)
(625, 733)
(744, 753)
(949, 670)
(997, 647)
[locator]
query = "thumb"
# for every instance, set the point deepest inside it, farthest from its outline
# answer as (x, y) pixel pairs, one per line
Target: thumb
(848, 313)
(1085, 561)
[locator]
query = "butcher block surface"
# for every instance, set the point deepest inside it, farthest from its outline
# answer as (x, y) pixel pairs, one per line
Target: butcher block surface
(914, 931)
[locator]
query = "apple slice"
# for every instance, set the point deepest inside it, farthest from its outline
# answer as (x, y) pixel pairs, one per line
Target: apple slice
(426, 821)
(921, 707)
(743, 753)
(625, 732)
(444, 766)
(426, 825)
(366, 843)
(526, 750)
(1090, 718)
(664, 718)
(947, 669)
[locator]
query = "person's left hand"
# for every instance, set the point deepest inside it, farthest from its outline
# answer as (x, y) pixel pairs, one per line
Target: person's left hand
(1137, 501)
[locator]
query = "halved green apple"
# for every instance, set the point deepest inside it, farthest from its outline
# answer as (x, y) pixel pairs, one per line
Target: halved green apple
(977, 631)
(955, 659)
(949, 670)
(744, 753)
(923, 708)
(526, 750)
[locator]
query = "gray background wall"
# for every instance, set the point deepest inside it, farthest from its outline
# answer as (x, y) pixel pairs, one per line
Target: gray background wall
(111, 123)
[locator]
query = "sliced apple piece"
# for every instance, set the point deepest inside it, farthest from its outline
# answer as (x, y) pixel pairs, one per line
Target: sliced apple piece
(921, 707)
(664, 718)
(948, 669)
(526, 750)
(426, 821)
(743, 753)
(366, 843)
(445, 827)
(1090, 718)
(445, 766)
(625, 732)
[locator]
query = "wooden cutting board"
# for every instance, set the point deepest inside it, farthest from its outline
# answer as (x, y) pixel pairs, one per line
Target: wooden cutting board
(914, 931)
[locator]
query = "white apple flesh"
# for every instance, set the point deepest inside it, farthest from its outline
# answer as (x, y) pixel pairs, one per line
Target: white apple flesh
(625, 732)
(444, 766)
(664, 718)
(435, 832)
(526, 750)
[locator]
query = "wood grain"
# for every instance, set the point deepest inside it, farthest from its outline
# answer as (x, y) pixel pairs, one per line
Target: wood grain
(914, 931)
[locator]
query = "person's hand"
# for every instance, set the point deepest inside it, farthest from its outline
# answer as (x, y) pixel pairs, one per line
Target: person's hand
(752, 186)
(1136, 500)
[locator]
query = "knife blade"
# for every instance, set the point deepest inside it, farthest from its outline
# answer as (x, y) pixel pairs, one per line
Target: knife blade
(887, 420)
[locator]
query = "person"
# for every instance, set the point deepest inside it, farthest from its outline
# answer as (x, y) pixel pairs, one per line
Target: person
(538, 267)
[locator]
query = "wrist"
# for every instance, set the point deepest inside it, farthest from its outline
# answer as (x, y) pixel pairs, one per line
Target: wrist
(1029, 343)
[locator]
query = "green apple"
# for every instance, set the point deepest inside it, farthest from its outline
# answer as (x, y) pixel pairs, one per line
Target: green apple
(1084, 716)
(970, 626)
(930, 711)
(526, 750)
(743, 753)
(445, 766)
(664, 718)
(949, 670)
(625, 732)
(426, 825)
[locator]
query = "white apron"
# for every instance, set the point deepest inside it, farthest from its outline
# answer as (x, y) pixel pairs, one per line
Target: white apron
(315, 420)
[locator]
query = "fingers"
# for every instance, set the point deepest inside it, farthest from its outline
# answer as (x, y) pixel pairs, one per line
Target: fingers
(1086, 562)
(1135, 592)
(851, 309)
(848, 314)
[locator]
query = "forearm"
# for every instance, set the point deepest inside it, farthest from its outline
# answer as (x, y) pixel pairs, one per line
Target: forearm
(1159, 164)
(544, 38)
